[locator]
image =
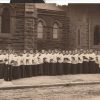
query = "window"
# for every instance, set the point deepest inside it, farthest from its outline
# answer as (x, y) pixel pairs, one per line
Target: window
(40, 30)
(78, 36)
(55, 31)
(5, 21)
(96, 35)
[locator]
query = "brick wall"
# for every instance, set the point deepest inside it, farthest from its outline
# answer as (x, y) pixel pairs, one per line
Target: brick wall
(71, 18)
(50, 17)
(83, 17)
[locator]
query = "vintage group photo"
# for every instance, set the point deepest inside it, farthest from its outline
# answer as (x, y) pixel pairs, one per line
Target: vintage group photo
(49, 51)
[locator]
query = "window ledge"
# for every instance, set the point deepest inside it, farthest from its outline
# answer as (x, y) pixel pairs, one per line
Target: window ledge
(5, 35)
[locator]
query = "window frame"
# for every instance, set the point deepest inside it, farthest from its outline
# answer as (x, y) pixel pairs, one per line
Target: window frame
(6, 20)
(57, 31)
(41, 27)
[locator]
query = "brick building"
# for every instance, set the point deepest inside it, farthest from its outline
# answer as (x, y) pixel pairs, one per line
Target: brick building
(47, 26)
(84, 25)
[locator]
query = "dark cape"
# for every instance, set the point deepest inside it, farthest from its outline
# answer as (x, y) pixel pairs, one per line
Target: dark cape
(26, 1)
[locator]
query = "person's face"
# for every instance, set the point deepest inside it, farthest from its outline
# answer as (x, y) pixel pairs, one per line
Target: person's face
(15, 54)
(75, 51)
(31, 51)
(70, 52)
(84, 51)
(49, 51)
(91, 51)
(24, 51)
(63, 52)
(66, 52)
(43, 51)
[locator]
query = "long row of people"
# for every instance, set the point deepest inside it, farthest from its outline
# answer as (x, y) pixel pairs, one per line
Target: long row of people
(17, 64)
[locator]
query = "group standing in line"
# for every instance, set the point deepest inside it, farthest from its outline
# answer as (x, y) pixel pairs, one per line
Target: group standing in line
(29, 63)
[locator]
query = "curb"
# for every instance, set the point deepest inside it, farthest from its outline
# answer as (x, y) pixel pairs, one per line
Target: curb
(46, 85)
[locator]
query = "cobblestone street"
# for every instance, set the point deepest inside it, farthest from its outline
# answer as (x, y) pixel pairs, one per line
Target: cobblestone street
(76, 92)
(84, 92)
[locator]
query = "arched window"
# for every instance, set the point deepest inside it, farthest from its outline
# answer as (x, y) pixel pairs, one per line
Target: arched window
(55, 30)
(40, 30)
(96, 35)
(5, 21)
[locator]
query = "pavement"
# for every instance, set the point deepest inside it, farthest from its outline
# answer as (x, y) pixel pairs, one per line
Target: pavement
(50, 81)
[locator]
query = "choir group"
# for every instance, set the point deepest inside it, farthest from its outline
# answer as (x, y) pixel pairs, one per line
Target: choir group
(22, 64)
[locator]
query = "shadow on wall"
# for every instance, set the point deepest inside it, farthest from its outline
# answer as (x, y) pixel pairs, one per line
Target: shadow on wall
(27, 1)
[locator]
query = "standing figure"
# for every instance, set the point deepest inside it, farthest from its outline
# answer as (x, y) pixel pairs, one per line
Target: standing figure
(74, 63)
(66, 68)
(28, 65)
(97, 61)
(1, 63)
(92, 68)
(80, 61)
(15, 67)
(45, 64)
(8, 67)
(59, 65)
(85, 62)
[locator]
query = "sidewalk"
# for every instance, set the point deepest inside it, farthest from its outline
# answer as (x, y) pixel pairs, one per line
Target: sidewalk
(48, 81)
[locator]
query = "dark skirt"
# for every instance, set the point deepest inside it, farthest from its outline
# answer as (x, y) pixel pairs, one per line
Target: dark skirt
(23, 72)
(66, 68)
(73, 68)
(1, 70)
(46, 68)
(79, 68)
(28, 70)
(7, 72)
(92, 68)
(59, 68)
(52, 69)
(39, 70)
(97, 68)
(16, 73)
(34, 72)
(85, 67)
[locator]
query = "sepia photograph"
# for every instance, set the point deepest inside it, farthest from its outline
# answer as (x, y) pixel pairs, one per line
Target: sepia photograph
(49, 50)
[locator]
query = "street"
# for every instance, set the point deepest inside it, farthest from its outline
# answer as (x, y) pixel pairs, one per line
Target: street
(81, 92)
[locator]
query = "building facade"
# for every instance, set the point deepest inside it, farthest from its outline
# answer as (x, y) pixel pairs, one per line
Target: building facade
(47, 26)
(84, 25)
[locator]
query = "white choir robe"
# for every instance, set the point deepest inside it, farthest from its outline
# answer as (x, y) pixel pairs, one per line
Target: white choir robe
(10, 58)
(54, 56)
(16, 73)
(61, 57)
(24, 59)
(80, 59)
(27, 60)
(99, 60)
(49, 56)
(92, 56)
(1, 58)
(70, 58)
(6, 59)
